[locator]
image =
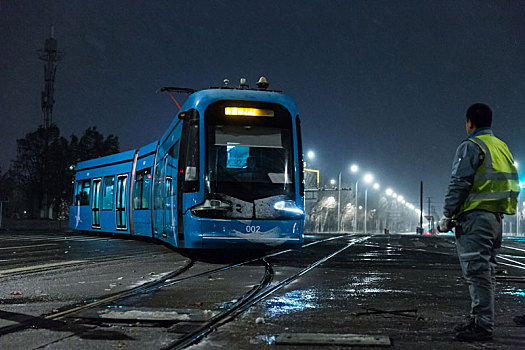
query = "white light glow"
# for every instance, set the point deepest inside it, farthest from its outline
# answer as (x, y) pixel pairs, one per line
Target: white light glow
(394, 195)
(310, 155)
(332, 182)
(368, 178)
(288, 206)
(354, 168)
(376, 186)
(389, 192)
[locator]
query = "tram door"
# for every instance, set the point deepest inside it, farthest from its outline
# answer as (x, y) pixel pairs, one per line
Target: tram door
(95, 204)
(121, 202)
(159, 195)
(170, 212)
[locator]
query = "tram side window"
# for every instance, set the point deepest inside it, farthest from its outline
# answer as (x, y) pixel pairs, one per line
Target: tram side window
(171, 168)
(142, 189)
(107, 193)
(189, 153)
(82, 192)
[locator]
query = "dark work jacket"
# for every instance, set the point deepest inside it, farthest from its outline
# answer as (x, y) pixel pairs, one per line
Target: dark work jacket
(467, 160)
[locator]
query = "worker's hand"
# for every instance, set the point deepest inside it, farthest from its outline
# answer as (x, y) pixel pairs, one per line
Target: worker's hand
(445, 224)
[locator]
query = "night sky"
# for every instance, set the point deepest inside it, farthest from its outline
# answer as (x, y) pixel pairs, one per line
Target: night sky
(384, 84)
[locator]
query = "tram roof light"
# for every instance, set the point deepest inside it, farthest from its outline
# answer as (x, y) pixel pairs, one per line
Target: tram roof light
(368, 178)
(354, 168)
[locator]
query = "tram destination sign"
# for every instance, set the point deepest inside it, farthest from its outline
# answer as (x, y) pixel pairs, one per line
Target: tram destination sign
(249, 112)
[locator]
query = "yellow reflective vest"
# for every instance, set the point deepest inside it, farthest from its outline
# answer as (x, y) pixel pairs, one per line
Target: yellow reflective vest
(496, 182)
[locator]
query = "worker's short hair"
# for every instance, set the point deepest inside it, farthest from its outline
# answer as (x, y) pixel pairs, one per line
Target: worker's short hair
(480, 115)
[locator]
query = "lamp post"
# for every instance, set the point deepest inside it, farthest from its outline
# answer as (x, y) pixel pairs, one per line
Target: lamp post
(518, 205)
(354, 169)
(339, 204)
(368, 178)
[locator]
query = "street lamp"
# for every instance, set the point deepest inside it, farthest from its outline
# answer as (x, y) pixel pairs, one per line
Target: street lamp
(310, 155)
(389, 192)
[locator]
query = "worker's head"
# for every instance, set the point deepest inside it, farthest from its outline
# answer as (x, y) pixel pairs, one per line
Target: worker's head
(479, 115)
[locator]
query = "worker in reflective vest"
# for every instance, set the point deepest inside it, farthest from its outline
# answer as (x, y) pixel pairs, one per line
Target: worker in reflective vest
(483, 186)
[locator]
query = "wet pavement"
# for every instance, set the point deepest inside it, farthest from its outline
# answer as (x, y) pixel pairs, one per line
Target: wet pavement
(404, 288)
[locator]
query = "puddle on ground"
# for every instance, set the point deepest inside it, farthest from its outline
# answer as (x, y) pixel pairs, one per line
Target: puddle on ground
(375, 290)
(263, 339)
(517, 292)
(377, 283)
(293, 301)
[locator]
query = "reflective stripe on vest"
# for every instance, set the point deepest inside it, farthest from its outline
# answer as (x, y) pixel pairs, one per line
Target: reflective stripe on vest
(496, 183)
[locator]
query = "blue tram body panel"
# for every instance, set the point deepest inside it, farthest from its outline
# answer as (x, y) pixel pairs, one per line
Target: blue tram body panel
(227, 173)
(86, 204)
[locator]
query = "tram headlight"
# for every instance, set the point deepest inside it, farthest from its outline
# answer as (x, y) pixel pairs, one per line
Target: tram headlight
(289, 208)
(211, 208)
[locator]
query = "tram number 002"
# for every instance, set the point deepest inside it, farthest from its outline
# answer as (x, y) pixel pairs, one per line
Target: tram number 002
(253, 229)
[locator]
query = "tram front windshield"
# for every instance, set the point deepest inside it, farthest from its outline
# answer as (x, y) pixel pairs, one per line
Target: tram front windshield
(249, 158)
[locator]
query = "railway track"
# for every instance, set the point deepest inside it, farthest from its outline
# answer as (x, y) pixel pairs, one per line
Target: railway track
(167, 280)
(259, 293)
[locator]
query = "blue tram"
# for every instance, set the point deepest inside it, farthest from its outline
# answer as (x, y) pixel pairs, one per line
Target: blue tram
(227, 173)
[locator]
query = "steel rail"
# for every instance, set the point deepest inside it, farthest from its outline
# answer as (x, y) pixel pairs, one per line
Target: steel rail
(62, 312)
(208, 327)
(224, 268)
(159, 283)
(238, 308)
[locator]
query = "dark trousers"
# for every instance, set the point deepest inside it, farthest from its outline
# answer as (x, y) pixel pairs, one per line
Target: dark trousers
(478, 240)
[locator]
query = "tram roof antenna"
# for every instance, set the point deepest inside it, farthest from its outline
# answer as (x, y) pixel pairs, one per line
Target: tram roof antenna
(188, 91)
(170, 89)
